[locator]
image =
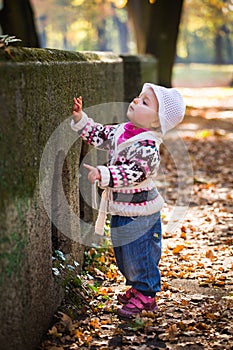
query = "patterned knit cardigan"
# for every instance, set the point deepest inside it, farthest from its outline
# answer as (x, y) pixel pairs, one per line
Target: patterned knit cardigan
(132, 168)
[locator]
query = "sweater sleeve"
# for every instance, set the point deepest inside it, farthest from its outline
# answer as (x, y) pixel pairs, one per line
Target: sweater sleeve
(95, 134)
(81, 124)
(105, 176)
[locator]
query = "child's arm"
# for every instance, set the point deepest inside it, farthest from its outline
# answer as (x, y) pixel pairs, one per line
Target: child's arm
(96, 134)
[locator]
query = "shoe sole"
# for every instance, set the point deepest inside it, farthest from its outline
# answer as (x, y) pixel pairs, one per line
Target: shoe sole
(128, 314)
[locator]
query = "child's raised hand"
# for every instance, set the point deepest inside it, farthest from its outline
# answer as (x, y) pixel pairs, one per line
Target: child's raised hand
(77, 109)
(93, 174)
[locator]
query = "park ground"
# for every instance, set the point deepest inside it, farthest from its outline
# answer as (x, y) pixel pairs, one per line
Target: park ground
(196, 300)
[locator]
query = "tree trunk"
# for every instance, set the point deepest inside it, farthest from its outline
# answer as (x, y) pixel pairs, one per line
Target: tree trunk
(218, 49)
(102, 40)
(221, 46)
(140, 14)
(156, 29)
(42, 34)
(123, 34)
(17, 18)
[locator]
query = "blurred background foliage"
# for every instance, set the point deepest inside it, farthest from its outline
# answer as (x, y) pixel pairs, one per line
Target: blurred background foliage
(174, 31)
(101, 25)
(205, 32)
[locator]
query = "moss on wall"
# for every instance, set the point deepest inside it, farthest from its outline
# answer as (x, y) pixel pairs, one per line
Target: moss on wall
(12, 254)
(24, 54)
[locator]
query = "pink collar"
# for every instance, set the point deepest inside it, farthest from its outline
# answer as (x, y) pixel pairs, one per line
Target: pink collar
(130, 131)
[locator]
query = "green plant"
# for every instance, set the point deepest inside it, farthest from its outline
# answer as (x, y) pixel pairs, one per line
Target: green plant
(6, 40)
(78, 291)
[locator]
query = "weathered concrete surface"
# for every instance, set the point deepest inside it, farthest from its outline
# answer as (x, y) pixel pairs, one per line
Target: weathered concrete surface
(36, 93)
(138, 69)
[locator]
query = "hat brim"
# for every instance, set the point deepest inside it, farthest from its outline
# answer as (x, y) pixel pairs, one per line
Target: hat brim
(161, 109)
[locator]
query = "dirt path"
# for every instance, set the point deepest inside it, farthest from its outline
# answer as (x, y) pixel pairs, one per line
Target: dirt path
(196, 301)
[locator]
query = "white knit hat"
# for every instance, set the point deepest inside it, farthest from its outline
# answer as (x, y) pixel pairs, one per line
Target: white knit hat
(171, 106)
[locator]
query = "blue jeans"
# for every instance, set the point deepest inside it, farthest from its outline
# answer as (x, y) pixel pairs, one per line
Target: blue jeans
(137, 243)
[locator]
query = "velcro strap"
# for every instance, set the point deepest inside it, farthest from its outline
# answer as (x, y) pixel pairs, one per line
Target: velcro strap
(135, 302)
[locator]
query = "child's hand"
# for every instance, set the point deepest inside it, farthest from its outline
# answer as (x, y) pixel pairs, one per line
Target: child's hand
(94, 173)
(77, 109)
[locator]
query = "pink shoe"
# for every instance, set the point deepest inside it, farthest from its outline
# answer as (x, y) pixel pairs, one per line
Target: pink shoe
(124, 298)
(137, 304)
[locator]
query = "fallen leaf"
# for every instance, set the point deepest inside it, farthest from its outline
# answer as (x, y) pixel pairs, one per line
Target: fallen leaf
(95, 323)
(172, 331)
(178, 249)
(210, 255)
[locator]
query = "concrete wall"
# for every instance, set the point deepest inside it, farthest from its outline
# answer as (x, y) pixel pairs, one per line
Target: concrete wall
(36, 95)
(36, 92)
(138, 69)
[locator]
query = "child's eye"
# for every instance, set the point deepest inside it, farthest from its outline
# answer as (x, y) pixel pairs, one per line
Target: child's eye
(144, 102)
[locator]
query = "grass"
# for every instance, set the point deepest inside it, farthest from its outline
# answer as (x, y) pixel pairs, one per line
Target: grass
(202, 75)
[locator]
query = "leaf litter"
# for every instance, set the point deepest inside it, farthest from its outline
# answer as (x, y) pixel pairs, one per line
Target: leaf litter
(196, 300)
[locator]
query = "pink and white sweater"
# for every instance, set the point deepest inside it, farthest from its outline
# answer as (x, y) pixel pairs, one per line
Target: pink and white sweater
(133, 164)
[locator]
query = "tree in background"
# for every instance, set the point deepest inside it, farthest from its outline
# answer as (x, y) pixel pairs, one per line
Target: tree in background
(16, 18)
(156, 26)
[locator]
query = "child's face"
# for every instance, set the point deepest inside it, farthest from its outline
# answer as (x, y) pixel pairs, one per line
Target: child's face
(143, 110)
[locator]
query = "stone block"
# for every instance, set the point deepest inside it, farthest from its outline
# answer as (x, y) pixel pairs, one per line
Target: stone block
(36, 98)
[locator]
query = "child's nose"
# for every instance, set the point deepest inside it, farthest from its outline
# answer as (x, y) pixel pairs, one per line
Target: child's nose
(135, 100)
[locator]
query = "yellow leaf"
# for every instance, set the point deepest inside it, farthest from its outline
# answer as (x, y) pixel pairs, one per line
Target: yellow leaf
(102, 259)
(92, 251)
(112, 274)
(107, 321)
(203, 134)
(103, 291)
(78, 333)
(220, 283)
(88, 340)
(95, 323)
(178, 249)
(183, 235)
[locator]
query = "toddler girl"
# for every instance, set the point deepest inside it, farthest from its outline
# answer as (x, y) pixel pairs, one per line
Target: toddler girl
(130, 194)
